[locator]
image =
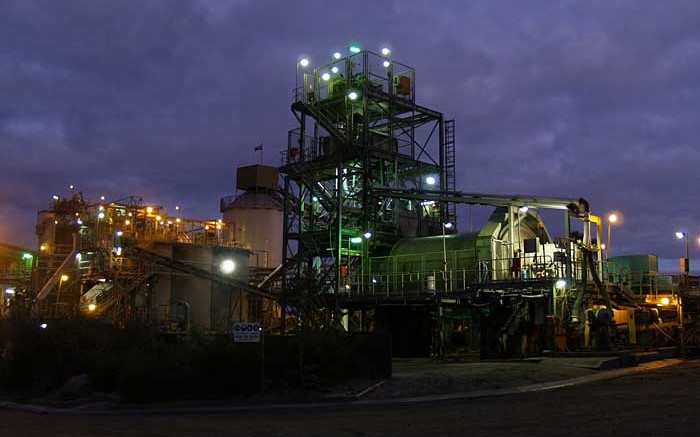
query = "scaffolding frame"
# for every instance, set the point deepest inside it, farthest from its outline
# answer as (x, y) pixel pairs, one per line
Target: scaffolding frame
(359, 131)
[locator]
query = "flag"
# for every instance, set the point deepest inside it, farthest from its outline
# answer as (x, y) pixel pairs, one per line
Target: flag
(259, 148)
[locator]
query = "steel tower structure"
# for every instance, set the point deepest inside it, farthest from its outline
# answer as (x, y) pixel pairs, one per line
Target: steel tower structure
(359, 131)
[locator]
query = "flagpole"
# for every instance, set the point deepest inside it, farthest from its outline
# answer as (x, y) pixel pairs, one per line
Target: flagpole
(259, 148)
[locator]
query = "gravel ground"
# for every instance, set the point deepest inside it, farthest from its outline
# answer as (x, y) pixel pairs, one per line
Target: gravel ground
(420, 377)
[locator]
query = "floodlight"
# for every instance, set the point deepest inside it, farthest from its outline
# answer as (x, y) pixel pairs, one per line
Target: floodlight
(448, 225)
(386, 51)
(367, 235)
(326, 76)
(227, 266)
(560, 283)
(101, 215)
(92, 307)
(304, 62)
(337, 55)
(430, 180)
(355, 49)
(665, 301)
(352, 95)
(524, 209)
(356, 240)
(334, 70)
(386, 64)
(680, 235)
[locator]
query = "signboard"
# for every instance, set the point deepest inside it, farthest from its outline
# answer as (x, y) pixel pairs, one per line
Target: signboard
(246, 332)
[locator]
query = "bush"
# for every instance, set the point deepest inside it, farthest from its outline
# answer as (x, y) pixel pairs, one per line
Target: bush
(143, 365)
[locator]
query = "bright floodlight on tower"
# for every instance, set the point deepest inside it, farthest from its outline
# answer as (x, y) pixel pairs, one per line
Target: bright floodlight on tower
(356, 240)
(367, 235)
(612, 218)
(334, 70)
(448, 225)
(386, 51)
(680, 235)
(304, 62)
(326, 76)
(386, 64)
(92, 307)
(561, 283)
(64, 278)
(337, 55)
(355, 48)
(430, 180)
(227, 266)
(101, 215)
(524, 209)
(352, 95)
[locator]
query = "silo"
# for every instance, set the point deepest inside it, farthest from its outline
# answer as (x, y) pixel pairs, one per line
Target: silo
(255, 216)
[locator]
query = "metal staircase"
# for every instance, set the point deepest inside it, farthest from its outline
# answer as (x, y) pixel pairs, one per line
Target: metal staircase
(328, 119)
(450, 158)
(127, 278)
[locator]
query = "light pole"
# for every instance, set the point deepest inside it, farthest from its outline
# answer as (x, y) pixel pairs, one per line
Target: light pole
(447, 225)
(686, 269)
(100, 215)
(686, 261)
(303, 63)
(63, 279)
(612, 218)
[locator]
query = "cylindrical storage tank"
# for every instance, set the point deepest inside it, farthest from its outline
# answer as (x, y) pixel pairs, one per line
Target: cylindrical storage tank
(257, 222)
(195, 301)
(255, 219)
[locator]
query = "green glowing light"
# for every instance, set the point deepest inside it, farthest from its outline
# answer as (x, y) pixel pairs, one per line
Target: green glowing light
(355, 49)
(356, 240)
(27, 256)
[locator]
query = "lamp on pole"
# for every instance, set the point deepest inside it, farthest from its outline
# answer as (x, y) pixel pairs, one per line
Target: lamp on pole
(63, 279)
(612, 218)
(447, 225)
(685, 262)
(301, 63)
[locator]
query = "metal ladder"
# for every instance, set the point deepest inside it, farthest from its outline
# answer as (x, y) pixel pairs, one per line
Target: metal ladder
(450, 177)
